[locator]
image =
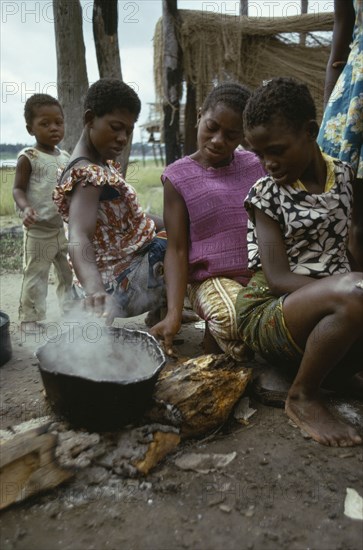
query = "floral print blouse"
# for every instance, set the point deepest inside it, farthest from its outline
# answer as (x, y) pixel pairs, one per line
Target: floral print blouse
(314, 227)
(122, 227)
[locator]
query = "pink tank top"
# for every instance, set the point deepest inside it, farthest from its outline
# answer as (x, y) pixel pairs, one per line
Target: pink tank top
(214, 198)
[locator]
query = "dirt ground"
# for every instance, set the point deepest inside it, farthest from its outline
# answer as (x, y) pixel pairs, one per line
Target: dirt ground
(281, 491)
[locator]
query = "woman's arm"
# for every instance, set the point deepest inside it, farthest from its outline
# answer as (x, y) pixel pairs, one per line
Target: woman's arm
(342, 36)
(21, 181)
(356, 229)
(82, 225)
(175, 264)
(274, 260)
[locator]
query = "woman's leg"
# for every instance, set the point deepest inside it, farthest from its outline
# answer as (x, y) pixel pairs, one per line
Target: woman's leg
(325, 318)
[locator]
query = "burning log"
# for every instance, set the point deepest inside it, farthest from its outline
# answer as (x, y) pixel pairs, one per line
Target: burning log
(198, 395)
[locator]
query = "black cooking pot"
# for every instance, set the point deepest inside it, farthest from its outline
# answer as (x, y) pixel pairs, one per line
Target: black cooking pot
(89, 396)
(5, 341)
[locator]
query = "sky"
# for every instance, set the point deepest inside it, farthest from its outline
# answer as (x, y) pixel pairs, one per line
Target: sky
(28, 57)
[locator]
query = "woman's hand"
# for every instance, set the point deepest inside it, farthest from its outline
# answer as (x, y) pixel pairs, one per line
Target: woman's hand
(29, 216)
(102, 304)
(165, 331)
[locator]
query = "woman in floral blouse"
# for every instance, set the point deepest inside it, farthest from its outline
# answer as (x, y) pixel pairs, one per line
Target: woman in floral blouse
(303, 307)
(115, 252)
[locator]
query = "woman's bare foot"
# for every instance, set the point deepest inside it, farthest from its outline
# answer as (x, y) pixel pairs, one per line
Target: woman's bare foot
(209, 343)
(189, 316)
(312, 416)
(153, 317)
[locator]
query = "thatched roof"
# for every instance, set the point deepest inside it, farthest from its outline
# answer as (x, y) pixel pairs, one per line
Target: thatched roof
(218, 47)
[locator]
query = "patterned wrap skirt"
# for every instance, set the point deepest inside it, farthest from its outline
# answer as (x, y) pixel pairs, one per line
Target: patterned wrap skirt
(141, 286)
(261, 323)
(214, 300)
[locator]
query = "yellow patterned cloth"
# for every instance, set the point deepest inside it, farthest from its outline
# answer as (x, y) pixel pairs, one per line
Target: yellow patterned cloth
(214, 300)
(261, 323)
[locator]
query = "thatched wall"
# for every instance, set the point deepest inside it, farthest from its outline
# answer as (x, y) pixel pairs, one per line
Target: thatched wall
(219, 47)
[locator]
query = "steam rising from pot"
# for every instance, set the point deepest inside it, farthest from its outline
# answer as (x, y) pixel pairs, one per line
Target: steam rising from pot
(89, 350)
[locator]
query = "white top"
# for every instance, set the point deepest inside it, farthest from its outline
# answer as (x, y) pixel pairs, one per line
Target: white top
(43, 179)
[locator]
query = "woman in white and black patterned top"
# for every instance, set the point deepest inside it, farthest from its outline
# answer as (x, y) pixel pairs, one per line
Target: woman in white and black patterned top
(303, 306)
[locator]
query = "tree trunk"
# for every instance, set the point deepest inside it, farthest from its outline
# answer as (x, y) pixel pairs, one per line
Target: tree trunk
(190, 122)
(105, 20)
(172, 81)
(304, 9)
(72, 78)
(243, 7)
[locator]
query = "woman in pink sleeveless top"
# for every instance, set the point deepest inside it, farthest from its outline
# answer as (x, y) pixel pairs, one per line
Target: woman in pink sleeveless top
(206, 221)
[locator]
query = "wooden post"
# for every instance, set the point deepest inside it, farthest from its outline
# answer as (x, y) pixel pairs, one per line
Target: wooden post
(304, 9)
(190, 122)
(161, 153)
(243, 7)
(72, 78)
(172, 81)
(105, 22)
(143, 153)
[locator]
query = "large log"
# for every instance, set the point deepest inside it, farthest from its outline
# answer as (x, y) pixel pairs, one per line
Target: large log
(28, 465)
(198, 395)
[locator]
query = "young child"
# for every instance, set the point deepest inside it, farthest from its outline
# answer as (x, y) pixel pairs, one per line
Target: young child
(206, 222)
(116, 255)
(44, 238)
(303, 307)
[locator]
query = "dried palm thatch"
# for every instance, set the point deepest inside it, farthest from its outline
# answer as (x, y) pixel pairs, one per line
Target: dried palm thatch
(218, 47)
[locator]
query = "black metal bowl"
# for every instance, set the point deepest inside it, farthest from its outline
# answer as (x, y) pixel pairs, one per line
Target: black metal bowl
(93, 401)
(5, 340)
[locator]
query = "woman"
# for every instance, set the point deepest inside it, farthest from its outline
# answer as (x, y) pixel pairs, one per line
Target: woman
(341, 132)
(115, 252)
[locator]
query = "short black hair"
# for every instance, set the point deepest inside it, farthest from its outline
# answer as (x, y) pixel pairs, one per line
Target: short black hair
(108, 94)
(232, 94)
(280, 97)
(36, 101)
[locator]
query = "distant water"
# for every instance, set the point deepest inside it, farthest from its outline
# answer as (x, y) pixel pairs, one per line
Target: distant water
(11, 162)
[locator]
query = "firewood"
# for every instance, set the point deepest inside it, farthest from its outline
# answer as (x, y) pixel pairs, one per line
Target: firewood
(138, 450)
(28, 465)
(198, 395)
